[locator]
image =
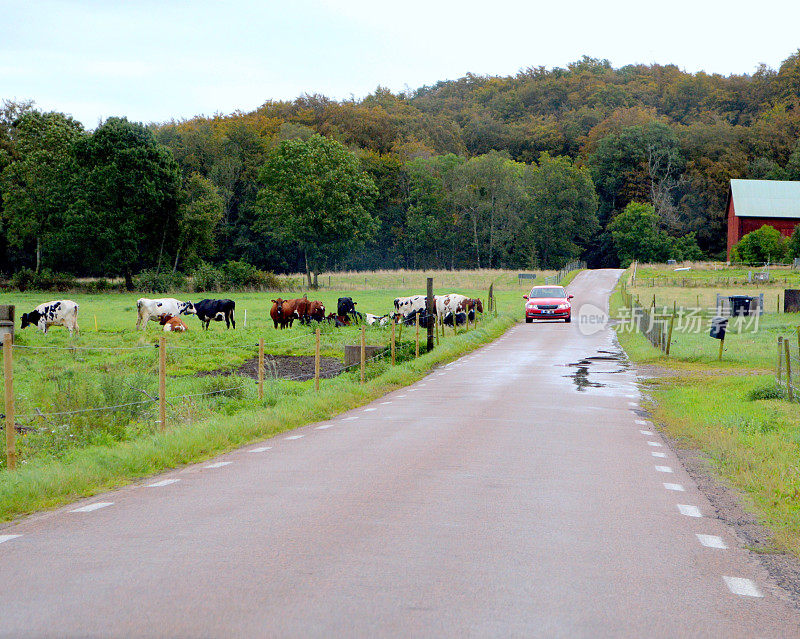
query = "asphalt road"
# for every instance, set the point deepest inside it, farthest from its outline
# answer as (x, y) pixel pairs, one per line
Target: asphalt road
(509, 494)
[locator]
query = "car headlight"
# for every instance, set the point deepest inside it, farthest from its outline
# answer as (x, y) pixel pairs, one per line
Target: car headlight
(563, 307)
(532, 307)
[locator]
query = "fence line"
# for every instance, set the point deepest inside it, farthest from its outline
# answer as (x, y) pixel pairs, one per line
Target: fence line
(574, 265)
(656, 327)
(788, 367)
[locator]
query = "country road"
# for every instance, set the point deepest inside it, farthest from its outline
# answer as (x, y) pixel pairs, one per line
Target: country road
(517, 492)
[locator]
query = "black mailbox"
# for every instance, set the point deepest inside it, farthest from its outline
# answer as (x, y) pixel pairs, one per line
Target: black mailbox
(718, 327)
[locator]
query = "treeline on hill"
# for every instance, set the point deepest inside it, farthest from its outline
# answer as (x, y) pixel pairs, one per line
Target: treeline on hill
(515, 172)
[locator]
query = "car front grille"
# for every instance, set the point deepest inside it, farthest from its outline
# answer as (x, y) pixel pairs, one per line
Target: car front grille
(547, 307)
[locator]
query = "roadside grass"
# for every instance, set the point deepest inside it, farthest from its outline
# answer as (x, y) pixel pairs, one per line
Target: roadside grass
(704, 274)
(732, 412)
(49, 482)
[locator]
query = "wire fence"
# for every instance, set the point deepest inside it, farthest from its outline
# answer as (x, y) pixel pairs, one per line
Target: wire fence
(787, 373)
(575, 265)
(655, 326)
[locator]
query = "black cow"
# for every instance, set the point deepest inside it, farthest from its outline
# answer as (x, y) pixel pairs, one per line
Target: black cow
(425, 319)
(460, 318)
(216, 310)
(345, 306)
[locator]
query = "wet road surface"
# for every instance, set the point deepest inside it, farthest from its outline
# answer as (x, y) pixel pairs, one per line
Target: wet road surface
(517, 492)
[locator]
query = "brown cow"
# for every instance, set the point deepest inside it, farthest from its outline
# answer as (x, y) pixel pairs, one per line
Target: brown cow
(171, 323)
(276, 313)
(316, 312)
(294, 309)
(471, 304)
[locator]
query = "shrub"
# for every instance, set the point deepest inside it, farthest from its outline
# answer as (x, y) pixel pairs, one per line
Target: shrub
(768, 391)
(155, 282)
(233, 276)
(45, 280)
(207, 278)
(765, 244)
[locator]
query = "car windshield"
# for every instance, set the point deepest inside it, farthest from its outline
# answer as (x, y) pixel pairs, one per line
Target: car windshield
(550, 291)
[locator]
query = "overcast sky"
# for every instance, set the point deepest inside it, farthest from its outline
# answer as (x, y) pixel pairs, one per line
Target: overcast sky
(153, 60)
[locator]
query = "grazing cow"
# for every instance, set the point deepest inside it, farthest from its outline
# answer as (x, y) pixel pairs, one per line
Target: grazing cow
(276, 313)
(473, 305)
(172, 324)
(294, 309)
(449, 303)
(217, 311)
(151, 309)
(55, 313)
(315, 312)
(408, 306)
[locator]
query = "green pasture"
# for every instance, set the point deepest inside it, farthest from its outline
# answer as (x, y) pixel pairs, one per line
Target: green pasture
(711, 274)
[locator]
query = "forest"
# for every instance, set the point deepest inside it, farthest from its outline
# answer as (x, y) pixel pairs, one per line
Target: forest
(525, 171)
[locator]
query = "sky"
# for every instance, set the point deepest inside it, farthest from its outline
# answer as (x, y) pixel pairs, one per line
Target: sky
(154, 61)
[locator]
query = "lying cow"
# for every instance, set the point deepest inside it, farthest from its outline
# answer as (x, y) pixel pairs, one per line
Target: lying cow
(337, 321)
(55, 313)
(460, 318)
(425, 319)
(152, 309)
(216, 311)
(380, 320)
(172, 324)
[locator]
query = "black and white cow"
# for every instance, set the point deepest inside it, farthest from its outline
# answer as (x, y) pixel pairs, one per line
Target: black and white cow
(55, 313)
(409, 306)
(216, 311)
(425, 319)
(153, 309)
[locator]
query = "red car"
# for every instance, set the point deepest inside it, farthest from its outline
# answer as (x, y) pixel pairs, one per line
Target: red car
(548, 303)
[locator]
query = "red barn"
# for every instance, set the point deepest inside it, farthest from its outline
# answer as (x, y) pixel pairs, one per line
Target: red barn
(756, 203)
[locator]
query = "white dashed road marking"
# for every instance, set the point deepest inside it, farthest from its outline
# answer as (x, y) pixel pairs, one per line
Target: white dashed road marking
(677, 487)
(294, 436)
(350, 419)
(4, 538)
(260, 449)
(217, 464)
(632, 404)
(712, 541)
(646, 432)
(369, 410)
(743, 587)
(324, 426)
(385, 403)
(655, 453)
(653, 444)
(641, 422)
(664, 469)
(689, 511)
(96, 506)
(400, 396)
(163, 482)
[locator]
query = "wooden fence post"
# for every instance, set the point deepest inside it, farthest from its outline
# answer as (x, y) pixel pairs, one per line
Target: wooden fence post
(261, 368)
(417, 337)
(721, 344)
(393, 345)
(788, 370)
(8, 378)
(162, 382)
(363, 352)
(316, 361)
(669, 333)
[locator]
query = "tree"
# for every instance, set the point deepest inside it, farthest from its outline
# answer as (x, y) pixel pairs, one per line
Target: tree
(793, 244)
(40, 184)
(131, 188)
(316, 195)
(200, 210)
(636, 235)
(562, 210)
(764, 245)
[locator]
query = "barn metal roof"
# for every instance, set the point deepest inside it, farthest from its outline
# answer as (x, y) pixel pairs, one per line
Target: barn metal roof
(766, 198)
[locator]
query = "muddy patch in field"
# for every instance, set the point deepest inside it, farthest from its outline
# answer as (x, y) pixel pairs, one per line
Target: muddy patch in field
(299, 368)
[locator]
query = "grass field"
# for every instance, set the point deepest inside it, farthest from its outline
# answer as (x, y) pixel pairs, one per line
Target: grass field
(67, 456)
(731, 409)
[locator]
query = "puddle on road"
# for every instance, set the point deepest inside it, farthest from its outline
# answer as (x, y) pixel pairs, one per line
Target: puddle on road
(597, 365)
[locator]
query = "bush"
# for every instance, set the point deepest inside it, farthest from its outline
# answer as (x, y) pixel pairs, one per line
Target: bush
(765, 244)
(207, 278)
(769, 391)
(45, 280)
(154, 282)
(233, 276)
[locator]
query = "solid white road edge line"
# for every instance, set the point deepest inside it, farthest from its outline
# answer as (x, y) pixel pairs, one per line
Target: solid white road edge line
(712, 541)
(742, 587)
(96, 506)
(689, 511)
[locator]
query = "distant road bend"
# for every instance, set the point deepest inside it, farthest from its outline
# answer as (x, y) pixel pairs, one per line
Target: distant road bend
(517, 492)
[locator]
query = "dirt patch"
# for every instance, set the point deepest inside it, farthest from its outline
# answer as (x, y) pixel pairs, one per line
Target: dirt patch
(299, 368)
(782, 566)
